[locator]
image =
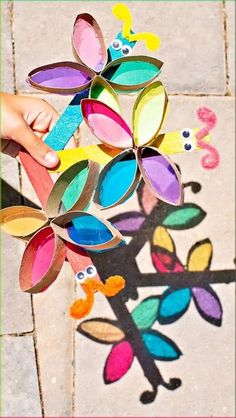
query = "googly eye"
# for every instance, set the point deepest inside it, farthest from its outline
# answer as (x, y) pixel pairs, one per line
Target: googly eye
(187, 133)
(116, 44)
(126, 50)
(91, 271)
(80, 276)
(188, 146)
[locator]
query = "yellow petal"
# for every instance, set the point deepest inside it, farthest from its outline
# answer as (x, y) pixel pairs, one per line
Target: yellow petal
(162, 238)
(199, 258)
(21, 221)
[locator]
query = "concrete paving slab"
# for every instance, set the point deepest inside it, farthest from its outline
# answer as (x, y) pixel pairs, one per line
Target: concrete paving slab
(20, 391)
(198, 70)
(7, 77)
(16, 305)
(230, 25)
(54, 330)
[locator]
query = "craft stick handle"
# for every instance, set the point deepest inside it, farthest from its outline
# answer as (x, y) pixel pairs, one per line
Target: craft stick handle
(69, 121)
(38, 176)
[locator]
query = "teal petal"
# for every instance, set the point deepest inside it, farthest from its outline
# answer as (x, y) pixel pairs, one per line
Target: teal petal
(145, 314)
(185, 217)
(173, 304)
(118, 180)
(160, 347)
(132, 73)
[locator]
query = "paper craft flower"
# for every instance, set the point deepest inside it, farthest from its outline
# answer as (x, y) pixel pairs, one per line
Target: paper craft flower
(124, 74)
(59, 235)
(174, 302)
(140, 156)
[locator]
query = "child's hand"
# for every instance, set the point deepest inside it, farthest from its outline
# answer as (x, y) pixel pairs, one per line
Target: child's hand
(24, 122)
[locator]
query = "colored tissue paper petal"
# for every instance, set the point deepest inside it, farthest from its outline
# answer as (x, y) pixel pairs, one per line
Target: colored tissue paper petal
(118, 362)
(101, 330)
(42, 261)
(106, 124)
(149, 112)
(89, 230)
(148, 200)
(128, 222)
(62, 77)
(101, 90)
(200, 255)
(173, 304)
(21, 221)
(132, 73)
(161, 176)
(145, 314)
(160, 347)
(165, 262)
(117, 180)
(86, 230)
(69, 188)
(188, 216)
(88, 42)
(162, 238)
(208, 304)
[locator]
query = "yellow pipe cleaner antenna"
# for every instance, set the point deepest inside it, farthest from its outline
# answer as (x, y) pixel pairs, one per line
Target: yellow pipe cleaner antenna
(122, 12)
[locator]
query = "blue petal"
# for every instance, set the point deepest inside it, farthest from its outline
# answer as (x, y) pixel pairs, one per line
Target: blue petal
(160, 347)
(173, 304)
(88, 230)
(116, 180)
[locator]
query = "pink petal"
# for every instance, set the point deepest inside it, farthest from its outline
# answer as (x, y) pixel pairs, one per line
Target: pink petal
(106, 124)
(118, 362)
(88, 42)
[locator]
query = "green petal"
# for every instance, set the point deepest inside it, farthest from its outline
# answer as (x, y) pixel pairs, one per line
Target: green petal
(132, 73)
(145, 314)
(185, 217)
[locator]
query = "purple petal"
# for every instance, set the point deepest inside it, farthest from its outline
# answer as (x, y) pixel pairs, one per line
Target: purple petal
(208, 304)
(130, 224)
(161, 176)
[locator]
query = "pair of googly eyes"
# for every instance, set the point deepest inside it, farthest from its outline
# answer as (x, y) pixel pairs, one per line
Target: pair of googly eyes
(187, 135)
(117, 45)
(90, 271)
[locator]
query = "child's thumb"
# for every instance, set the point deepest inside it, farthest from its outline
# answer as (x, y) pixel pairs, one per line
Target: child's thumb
(35, 146)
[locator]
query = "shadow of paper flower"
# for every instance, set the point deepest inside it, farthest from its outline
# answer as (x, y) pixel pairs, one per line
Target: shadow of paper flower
(174, 302)
(57, 231)
(121, 356)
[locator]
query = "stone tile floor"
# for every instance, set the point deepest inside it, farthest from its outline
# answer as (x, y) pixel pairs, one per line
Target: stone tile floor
(49, 369)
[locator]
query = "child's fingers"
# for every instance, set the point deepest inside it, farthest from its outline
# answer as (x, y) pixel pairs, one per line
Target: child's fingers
(35, 145)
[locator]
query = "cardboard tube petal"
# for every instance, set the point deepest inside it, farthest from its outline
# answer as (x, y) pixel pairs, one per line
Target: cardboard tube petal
(42, 261)
(132, 73)
(118, 180)
(88, 42)
(101, 90)
(22, 221)
(87, 231)
(62, 77)
(106, 124)
(149, 113)
(74, 188)
(161, 175)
